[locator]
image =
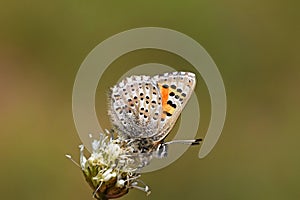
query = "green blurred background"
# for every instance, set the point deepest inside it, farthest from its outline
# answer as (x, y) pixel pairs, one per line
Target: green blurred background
(255, 44)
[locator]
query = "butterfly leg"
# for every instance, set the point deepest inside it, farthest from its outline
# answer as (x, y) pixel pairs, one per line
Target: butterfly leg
(145, 189)
(161, 151)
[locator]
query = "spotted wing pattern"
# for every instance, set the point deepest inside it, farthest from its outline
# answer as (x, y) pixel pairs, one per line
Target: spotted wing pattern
(144, 106)
(176, 89)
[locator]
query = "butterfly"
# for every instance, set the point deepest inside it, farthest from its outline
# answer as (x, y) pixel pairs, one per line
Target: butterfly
(144, 109)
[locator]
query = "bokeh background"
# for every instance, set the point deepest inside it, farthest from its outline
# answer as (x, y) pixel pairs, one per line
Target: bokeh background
(255, 44)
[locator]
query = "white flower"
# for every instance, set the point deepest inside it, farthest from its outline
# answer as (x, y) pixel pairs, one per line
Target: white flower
(112, 168)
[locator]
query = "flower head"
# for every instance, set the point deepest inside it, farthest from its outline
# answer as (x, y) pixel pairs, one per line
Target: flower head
(112, 168)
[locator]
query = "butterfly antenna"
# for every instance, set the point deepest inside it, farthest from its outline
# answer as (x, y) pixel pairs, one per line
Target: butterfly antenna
(70, 157)
(189, 142)
(197, 141)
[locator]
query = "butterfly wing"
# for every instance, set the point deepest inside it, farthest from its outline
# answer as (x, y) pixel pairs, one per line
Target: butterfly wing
(176, 89)
(144, 106)
(135, 107)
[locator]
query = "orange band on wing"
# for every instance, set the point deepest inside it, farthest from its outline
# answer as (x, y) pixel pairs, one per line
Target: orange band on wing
(164, 99)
